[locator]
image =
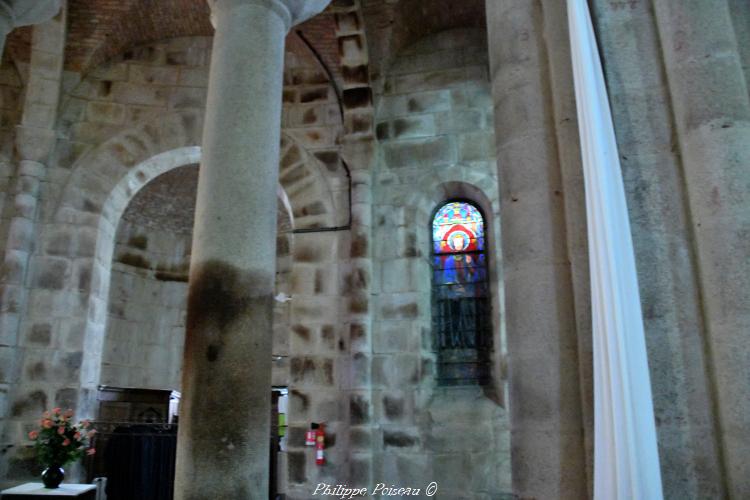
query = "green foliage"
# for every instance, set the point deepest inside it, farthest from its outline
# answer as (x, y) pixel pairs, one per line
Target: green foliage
(59, 442)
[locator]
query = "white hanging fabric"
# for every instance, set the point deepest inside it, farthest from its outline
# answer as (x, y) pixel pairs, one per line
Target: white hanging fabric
(626, 459)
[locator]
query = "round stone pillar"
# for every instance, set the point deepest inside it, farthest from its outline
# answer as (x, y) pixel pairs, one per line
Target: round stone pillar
(547, 458)
(223, 445)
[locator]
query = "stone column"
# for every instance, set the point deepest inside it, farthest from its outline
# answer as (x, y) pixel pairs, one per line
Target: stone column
(712, 115)
(223, 445)
(557, 37)
(359, 155)
(35, 141)
(548, 459)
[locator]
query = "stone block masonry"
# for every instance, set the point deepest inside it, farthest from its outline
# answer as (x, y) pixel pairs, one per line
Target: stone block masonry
(434, 122)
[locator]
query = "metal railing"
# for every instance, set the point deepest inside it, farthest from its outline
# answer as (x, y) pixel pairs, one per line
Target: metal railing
(134, 457)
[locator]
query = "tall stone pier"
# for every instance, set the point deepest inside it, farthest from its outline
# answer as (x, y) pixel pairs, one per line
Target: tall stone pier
(548, 458)
(223, 444)
(712, 116)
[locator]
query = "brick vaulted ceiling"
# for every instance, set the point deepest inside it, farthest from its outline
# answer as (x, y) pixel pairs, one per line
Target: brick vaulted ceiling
(102, 29)
(99, 30)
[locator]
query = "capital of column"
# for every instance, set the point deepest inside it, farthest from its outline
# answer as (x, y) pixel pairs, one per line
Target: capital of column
(290, 11)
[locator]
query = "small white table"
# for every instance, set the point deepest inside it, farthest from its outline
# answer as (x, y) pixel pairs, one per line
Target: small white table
(30, 491)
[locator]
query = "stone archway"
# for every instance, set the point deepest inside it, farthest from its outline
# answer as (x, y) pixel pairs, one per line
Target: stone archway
(105, 180)
(147, 299)
(112, 208)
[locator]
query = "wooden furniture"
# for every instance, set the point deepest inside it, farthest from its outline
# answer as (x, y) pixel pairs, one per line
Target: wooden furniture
(125, 404)
(32, 491)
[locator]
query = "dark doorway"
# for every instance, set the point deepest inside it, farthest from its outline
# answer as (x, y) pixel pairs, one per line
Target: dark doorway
(279, 398)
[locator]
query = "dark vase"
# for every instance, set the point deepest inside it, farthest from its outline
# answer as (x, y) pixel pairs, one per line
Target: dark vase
(53, 476)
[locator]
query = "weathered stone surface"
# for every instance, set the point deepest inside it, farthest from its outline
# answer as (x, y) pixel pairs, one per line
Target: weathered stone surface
(525, 126)
(657, 204)
(296, 467)
(399, 439)
(422, 153)
(355, 339)
(30, 404)
(50, 273)
(40, 334)
(359, 410)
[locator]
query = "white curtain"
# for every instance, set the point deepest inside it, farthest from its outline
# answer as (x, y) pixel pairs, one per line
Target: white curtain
(626, 460)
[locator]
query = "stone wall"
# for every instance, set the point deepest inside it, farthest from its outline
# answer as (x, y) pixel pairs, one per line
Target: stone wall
(70, 267)
(10, 115)
(435, 126)
(11, 101)
(148, 82)
(146, 310)
(318, 362)
(148, 292)
(312, 116)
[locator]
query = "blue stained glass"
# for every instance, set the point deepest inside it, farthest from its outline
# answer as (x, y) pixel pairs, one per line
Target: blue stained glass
(457, 227)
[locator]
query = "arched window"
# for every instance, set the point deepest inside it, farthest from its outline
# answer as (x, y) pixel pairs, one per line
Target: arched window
(461, 319)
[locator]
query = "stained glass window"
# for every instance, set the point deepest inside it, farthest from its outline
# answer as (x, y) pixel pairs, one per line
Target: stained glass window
(460, 291)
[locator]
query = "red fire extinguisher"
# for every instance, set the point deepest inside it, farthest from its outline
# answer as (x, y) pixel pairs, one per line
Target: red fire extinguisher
(310, 435)
(320, 444)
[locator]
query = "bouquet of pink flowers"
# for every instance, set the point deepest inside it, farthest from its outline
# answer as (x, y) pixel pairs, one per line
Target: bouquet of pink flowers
(58, 441)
